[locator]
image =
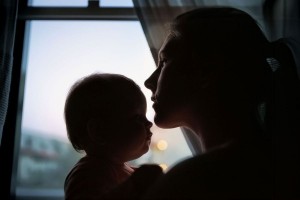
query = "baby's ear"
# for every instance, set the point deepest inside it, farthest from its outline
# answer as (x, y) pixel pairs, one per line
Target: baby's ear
(96, 129)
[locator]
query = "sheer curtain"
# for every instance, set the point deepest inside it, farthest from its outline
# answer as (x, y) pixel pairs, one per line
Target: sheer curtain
(155, 15)
(8, 12)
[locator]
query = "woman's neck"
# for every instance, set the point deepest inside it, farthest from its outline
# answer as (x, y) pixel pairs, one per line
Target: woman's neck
(220, 127)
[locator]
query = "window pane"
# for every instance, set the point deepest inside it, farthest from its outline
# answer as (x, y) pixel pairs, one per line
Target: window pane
(58, 54)
(58, 3)
(116, 3)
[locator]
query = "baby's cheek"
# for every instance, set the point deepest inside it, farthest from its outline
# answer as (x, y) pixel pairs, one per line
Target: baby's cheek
(138, 139)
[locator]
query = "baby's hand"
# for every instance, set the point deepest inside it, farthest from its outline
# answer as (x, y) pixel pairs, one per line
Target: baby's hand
(136, 185)
(145, 176)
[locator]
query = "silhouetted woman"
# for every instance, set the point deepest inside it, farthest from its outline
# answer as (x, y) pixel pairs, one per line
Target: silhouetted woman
(213, 77)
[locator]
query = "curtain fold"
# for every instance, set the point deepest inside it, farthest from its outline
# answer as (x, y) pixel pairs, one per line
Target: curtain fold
(282, 19)
(8, 13)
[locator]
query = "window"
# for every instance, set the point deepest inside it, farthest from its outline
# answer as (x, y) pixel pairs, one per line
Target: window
(56, 55)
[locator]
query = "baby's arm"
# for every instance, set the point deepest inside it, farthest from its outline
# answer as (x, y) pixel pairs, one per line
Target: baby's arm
(137, 184)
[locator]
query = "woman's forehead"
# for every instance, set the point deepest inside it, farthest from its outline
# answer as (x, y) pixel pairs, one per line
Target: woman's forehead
(170, 45)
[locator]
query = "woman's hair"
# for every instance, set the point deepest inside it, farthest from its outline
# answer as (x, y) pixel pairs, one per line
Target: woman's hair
(227, 30)
(234, 40)
(94, 96)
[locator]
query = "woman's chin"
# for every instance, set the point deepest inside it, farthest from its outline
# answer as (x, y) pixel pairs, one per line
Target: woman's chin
(164, 122)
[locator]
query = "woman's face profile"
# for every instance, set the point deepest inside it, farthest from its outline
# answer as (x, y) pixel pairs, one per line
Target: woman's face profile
(170, 84)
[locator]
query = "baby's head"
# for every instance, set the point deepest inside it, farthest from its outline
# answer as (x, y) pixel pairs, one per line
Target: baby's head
(105, 115)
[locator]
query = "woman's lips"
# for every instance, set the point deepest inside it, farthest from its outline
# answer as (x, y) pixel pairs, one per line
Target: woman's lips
(153, 98)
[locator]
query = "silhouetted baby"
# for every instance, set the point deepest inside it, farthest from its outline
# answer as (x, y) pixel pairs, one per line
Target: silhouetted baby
(105, 117)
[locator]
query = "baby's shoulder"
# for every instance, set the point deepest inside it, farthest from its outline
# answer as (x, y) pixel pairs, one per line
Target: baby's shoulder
(91, 170)
(90, 177)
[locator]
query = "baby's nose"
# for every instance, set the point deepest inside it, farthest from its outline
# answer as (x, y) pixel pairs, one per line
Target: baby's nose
(149, 124)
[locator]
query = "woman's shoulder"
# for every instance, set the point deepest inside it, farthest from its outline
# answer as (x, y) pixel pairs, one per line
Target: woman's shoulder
(228, 157)
(222, 171)
(206, 161)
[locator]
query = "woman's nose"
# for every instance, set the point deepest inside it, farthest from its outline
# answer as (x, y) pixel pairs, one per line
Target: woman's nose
(151, 82)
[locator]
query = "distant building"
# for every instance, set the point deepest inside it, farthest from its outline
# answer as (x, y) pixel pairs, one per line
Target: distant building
(44, 161)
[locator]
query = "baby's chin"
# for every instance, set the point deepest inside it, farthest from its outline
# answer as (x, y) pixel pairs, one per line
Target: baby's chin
(134, 155)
